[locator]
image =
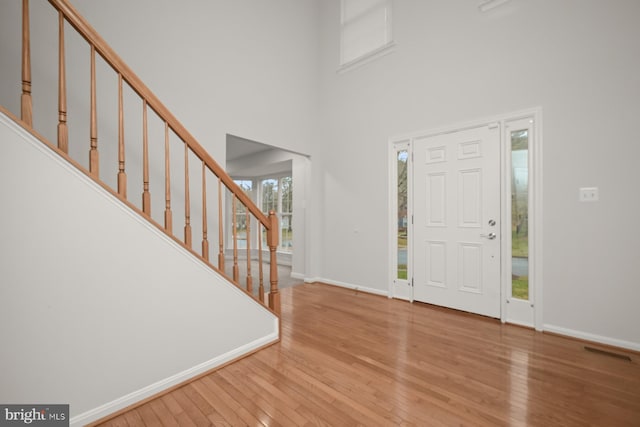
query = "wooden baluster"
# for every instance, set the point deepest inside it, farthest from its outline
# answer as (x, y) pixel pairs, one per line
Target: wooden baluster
(26, 108)
(146, 195)
(272, 242)
(205, 242)
(122, 176)
(260, 272)
(187, 202)
(168, 216)
(220, 230)
(94, 162)
(236, 270)
(63, 132)
(248, 238)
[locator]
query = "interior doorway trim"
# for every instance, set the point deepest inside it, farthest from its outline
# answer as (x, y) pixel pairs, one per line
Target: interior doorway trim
(535, 221)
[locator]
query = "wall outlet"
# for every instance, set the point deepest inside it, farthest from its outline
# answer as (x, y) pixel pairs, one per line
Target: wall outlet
(589, 194)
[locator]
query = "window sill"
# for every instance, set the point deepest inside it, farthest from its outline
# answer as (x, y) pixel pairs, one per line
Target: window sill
(367, 57)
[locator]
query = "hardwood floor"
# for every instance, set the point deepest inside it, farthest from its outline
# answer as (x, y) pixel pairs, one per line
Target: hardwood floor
(348, 358)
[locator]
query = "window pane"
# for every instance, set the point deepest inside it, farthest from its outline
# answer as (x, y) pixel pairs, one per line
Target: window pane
(245, 184)
(402, 157)
(287, 194)
(365, 34)
(264, 239)
(520, 214)
(352, 9)
(241, 210)
(286, 233)
(365, 27)
(269, 195)
(277, 195)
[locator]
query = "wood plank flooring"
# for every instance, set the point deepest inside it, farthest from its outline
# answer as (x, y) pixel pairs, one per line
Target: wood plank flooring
(349, 359)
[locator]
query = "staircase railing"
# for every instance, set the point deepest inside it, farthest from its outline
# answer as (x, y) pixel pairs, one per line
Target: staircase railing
(232, 203)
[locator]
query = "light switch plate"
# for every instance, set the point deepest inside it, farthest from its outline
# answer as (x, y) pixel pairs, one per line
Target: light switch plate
(589, 194)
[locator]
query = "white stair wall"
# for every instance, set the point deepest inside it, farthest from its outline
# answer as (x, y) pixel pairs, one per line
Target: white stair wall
(98, 308)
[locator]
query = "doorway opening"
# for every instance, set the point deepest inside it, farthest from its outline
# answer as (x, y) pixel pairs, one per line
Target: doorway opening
(274, 179)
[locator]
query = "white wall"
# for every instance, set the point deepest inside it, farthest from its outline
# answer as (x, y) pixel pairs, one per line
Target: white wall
(578, 60)
(243, 67)
(99, 309)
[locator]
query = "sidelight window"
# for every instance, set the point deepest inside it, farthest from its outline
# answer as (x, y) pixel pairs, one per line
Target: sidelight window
(520, 214)
(402, 217)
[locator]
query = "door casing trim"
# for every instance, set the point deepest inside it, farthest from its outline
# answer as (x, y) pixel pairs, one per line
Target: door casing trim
(535, 208)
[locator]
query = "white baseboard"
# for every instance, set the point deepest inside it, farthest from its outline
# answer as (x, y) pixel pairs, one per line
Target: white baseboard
(158, 387)
(347, 285)
(297, 276)
(592, 337)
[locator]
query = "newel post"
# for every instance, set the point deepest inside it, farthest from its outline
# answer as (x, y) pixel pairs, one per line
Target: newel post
(272, 242)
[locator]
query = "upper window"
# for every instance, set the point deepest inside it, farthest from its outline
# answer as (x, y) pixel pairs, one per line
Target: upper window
(365, 29)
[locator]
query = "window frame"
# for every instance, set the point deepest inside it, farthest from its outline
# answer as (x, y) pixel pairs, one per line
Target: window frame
(400, 288)
(256, 196)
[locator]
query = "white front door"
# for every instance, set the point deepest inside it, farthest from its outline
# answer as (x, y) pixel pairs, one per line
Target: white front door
(456, 202)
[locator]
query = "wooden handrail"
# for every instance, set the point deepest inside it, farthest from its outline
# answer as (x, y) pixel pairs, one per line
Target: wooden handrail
(66, 12)
(108, 54)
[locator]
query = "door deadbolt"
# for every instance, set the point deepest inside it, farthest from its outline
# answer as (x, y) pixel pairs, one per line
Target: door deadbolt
(492, 222)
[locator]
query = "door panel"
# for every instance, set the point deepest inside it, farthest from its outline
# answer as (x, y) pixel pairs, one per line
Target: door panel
(457, 220)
